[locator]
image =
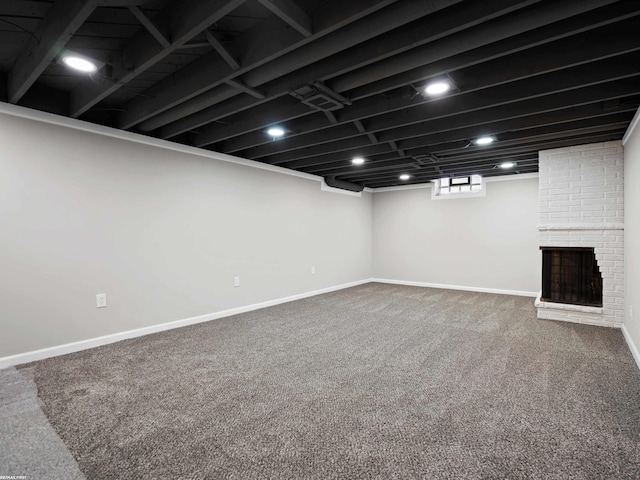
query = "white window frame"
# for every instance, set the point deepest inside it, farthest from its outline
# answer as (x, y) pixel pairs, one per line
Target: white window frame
(438, 194)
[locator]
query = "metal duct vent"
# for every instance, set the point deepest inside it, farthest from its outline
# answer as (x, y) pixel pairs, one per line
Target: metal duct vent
(319, 97)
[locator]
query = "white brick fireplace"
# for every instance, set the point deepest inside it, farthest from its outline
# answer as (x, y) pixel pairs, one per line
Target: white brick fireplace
(582, 205)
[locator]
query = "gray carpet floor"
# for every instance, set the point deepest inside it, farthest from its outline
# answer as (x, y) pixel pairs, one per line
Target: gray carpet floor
(29, 447)
(375, 381)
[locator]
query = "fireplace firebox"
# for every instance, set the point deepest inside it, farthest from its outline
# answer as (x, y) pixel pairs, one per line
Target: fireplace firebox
(571, 275)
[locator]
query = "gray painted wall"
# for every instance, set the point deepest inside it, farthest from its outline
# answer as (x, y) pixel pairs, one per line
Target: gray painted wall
(163, 233)
(632, 235)
(487, 242)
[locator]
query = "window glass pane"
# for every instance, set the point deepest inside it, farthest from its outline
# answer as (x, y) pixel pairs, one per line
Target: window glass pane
(458, 185)
(460, 181)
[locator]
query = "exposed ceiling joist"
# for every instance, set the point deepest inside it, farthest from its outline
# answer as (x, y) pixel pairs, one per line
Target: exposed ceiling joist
(292, 14)
(545, 59)
(379, 47)
(590, 95)
(50, 38)
(184, 20)
(287, 55)
(520, 43)
(343, 79)
(151, 27)
(519, 22)
(465, 112)
(243, 88)
(222, 51)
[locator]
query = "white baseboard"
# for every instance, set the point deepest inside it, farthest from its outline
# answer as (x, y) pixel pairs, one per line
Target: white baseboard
(632, 346)
(35, 355)
(519, 293)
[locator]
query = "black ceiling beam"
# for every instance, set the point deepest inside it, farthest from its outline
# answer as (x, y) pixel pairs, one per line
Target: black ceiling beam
(546, 58)
(518, 22)
(386, 162)
(500, 28)
(464, 117)
(549, 132)
(291, 13)
(444, 23)
(437, 171)
(59, 24)
(526, 158)
(360, 31)
(395, 182)
(457, 153)
(449, 129)
(527, 146)
(268, 114)
(385, 126)
(273, 49)
(558, 30)
(440, 49)
(380, 166)
(182, 21)
(224, 53)
(555, 117)
(209, 93)
(515, 92)
(178, 95)
(424, 144)
(343, 155)
(244, 88)
(152, 28)
(426, 177)
(431, 170)
(550, 103)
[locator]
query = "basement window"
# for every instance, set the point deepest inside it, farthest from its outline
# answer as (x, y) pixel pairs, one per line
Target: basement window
(458, 187)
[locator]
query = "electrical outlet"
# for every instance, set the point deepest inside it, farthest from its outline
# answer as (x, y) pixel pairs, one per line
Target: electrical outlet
(313, 270)
(236, 281)
(101, 300)
(631, 312)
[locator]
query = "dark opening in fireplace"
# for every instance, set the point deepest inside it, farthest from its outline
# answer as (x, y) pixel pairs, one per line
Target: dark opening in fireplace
(571, 275)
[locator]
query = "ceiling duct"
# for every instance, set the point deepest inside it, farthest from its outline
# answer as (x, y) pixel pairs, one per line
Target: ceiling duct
(333, 182)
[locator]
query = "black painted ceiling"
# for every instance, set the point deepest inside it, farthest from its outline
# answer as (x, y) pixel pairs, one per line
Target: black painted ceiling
(343, 78)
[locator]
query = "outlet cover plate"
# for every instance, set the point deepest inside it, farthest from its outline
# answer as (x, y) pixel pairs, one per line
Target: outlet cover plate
(101, 300)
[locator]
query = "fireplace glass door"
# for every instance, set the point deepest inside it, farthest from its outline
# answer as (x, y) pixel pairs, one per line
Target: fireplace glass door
(571, 275)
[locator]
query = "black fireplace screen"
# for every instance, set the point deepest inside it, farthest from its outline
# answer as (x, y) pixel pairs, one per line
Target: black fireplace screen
(571, 275)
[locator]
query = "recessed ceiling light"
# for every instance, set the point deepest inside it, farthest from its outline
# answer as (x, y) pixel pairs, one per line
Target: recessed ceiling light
(484, 140)
(357, 161)
(506, 165)
(437, 88)
(405, 176)
(79, 63)
(275, 132)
